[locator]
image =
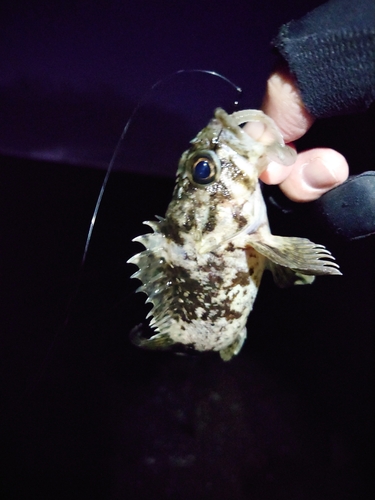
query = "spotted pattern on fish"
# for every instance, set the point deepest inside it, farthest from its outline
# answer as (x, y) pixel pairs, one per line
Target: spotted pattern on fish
(203, 263)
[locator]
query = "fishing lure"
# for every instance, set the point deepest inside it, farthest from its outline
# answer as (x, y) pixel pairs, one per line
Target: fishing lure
(203, 262)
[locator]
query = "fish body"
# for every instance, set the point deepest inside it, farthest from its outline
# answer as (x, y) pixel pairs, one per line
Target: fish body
(203, 262)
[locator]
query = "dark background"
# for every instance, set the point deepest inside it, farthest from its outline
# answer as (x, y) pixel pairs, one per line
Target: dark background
(72, 71)
(84, 414)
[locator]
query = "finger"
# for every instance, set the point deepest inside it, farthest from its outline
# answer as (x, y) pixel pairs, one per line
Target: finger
(275, 172)
(315, 172)
(283, 103)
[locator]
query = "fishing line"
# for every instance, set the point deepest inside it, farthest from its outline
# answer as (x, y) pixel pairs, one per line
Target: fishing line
(115, 154)
(119, 144)
(34, 383)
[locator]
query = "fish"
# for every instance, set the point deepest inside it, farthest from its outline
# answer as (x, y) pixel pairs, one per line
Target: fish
(202, 264)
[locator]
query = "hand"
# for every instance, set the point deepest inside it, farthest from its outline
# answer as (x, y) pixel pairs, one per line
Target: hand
(316, 171)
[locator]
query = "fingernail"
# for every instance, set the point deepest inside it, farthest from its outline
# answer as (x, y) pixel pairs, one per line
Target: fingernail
(318, 175)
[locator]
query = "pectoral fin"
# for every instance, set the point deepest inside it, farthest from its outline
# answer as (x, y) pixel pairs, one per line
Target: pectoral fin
(299, 254)
(285, 277)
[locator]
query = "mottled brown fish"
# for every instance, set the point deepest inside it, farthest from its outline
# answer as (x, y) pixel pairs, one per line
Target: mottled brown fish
(204, 261)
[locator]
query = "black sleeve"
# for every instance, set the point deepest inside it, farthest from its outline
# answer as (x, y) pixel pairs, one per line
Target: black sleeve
(331, 52)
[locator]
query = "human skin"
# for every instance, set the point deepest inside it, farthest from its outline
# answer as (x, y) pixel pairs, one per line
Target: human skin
(315, 171)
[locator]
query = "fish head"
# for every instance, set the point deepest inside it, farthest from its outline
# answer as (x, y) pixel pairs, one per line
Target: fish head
(217, 194)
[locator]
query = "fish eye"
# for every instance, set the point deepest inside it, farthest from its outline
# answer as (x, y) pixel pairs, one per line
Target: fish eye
(203, 171)
(205, 168)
